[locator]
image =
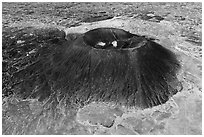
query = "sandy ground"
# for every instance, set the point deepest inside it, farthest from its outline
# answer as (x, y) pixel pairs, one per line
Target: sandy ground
(177, 26)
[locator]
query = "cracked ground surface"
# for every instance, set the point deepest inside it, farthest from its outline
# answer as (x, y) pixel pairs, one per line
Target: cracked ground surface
(176, 26)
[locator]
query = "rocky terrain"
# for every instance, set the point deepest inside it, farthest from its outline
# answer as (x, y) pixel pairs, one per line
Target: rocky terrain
(176, 26)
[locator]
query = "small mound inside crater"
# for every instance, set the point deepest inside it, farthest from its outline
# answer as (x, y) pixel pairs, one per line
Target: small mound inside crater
(112, 38)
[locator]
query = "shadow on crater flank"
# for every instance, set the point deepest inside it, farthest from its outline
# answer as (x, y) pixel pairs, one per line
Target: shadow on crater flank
(104, 64)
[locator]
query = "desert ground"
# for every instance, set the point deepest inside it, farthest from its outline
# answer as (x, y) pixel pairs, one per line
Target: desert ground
(177, 26)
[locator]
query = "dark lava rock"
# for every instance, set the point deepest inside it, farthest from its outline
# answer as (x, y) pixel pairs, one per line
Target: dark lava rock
(154, 18)
(22, 48)
(97, 18)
